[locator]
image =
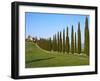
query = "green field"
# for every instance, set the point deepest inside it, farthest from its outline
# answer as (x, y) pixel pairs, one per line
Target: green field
(37, 57)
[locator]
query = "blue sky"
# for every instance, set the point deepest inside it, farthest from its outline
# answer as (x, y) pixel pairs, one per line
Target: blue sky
(46, 25)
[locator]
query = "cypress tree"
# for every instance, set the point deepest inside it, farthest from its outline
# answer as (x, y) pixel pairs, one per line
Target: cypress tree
(67, 42)
(86, 41)
(72, 41)
(68, 45)
(50, 44)
(63, 40)
(55, 43)
(79, 39)
(75, 42)
(60, 42)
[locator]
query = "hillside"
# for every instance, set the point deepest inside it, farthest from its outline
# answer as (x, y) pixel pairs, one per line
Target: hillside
(37, 57)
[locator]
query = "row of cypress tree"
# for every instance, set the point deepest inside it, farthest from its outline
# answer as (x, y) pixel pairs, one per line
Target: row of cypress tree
(61, 42)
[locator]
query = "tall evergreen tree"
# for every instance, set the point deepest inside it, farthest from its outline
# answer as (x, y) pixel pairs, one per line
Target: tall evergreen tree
(63, 40)
(67, 42)
(75, 43)
(72, 41)
(60, 42)
(86, 41)
(53, 43)
(79, 38)
(50, 44)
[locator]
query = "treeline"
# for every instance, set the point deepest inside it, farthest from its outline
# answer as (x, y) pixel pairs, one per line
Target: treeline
(45, 44)
(61, 42)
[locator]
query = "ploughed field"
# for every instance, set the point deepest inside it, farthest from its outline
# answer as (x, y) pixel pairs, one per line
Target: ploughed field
(37, 57)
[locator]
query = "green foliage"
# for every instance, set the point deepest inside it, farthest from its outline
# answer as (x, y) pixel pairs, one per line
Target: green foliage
(64, 46)
(79, 39)
(50, 44)
(86, 42)
(72, 41)
(67, 42)
(60, 45)
(44, 44)
(75, 43)
(58, 42)
(55, 43)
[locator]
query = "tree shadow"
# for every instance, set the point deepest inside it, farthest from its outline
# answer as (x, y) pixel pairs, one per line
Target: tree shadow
(27, 62)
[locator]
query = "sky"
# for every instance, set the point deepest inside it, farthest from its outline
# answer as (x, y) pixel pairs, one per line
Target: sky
(45, 25)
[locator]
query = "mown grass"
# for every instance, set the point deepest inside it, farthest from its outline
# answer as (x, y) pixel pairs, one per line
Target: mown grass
(36, 57)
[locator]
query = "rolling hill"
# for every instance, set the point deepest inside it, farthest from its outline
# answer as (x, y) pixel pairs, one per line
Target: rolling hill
(37, 57)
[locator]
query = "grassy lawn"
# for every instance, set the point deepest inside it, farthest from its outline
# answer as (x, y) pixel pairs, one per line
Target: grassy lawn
(36, 57)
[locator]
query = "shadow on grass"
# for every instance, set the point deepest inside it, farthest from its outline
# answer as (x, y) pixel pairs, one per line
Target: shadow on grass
(27, 62)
